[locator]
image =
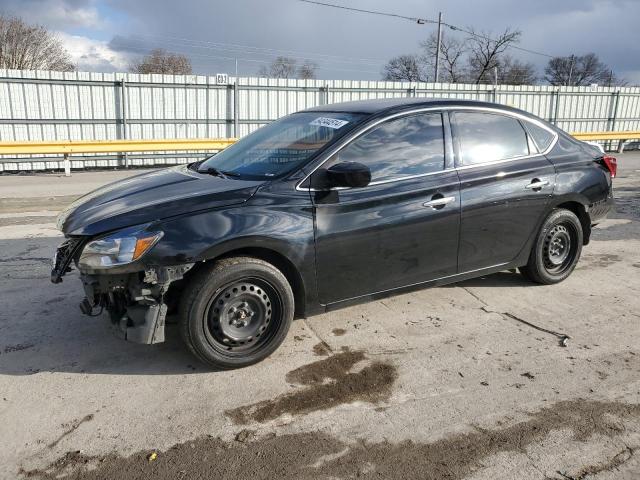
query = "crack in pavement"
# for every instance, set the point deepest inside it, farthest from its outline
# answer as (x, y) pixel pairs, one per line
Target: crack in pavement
(71, 429)
(477, 297)
(318, 337)
(613, 463)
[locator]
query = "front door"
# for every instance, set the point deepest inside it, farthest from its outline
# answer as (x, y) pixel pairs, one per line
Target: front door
(400, 230)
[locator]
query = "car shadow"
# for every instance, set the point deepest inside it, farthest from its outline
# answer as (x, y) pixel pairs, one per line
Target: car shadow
(43, 330)
(500, 279)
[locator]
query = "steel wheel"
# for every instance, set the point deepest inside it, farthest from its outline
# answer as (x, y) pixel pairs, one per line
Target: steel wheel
(559, 248)
(556, 249)
(242, 315)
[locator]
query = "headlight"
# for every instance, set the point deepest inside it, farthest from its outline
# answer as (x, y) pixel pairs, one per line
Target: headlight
(119, 248)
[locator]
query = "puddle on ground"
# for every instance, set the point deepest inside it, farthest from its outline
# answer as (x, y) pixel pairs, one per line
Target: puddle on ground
(321, 456)
(325, 384)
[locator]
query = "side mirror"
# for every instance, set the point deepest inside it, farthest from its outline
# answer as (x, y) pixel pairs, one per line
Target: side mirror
(348, 174)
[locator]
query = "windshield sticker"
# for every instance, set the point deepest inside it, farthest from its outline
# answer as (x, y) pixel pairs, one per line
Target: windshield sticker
(329, 122)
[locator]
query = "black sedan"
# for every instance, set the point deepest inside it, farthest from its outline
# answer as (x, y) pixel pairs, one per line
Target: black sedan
(328, 207)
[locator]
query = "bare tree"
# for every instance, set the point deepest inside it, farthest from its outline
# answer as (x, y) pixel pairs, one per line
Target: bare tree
(404, 68)
(307, 70)
(580, 70)
(485, 52)
(514, 72)
(452, 52)
(161, 61)
(31, 47)
(281, 67)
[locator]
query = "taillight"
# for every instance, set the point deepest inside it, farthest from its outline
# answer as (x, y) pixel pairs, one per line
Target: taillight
(612, 164)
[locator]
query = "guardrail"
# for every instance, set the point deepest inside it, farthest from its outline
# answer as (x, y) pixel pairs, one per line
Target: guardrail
(113, 146)
(621, 137)
(67, 148)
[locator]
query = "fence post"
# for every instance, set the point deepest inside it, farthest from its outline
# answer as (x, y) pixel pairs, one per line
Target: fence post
(229, 114)
(123, 116)
(324, 95)
(613, 115)
(556, 108)
(236, 113)
(67, 165)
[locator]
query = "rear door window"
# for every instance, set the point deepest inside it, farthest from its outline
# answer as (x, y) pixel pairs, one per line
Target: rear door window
(489, 137)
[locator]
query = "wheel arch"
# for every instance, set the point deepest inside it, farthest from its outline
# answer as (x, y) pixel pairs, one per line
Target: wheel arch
(273, 256)
(581, 211)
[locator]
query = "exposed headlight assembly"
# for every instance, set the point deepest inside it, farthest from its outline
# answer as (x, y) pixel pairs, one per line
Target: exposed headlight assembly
(119, 248)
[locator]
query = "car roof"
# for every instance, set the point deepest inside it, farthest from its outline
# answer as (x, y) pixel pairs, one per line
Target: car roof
(390, 105)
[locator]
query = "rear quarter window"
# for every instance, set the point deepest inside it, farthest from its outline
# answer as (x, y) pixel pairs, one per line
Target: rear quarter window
(541, 136)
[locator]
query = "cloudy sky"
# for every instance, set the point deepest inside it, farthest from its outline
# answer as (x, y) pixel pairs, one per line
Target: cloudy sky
(106, 35)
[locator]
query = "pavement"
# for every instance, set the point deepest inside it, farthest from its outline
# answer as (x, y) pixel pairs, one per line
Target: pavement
(441, 383)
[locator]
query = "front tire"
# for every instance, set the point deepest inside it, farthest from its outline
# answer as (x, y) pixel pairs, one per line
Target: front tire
(556, 250)
(236, 313)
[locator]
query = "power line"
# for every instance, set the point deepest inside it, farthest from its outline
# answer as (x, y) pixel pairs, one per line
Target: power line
(257, 50)
(423, 21)
(149, 49)
(373, 12)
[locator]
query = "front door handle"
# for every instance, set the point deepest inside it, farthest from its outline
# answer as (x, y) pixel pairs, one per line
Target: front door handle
(537, 184)
(439, 202)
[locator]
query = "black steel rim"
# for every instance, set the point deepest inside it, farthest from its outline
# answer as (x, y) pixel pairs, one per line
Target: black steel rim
(243, 316)
(559, 250)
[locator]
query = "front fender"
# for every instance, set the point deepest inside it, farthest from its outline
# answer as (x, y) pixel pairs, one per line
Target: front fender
(284, 230)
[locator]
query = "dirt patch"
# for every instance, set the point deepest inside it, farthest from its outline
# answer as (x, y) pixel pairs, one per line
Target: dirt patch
(338, 332)
(17, 205)
(321, 349)
(328, 383)
(18, 347)
(55, 300)
(317, 455)
(28, 220)
(598, 260)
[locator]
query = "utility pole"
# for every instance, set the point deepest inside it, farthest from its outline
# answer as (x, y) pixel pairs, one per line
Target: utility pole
(495, 76)
(236, 68)
(438, 46)
(570, 70)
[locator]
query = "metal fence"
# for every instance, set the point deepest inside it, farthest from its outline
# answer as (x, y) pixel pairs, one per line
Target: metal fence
(38, 105)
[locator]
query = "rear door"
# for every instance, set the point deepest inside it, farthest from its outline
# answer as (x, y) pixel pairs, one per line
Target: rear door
(505, 186)
(402, 228)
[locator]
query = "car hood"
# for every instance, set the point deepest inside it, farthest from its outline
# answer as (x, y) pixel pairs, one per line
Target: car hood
(151, 196)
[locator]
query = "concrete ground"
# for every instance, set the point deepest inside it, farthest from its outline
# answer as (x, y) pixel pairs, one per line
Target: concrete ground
(441, 383)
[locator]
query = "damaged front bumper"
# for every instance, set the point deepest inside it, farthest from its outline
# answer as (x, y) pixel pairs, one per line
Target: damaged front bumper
(135, 301)
(133, 295)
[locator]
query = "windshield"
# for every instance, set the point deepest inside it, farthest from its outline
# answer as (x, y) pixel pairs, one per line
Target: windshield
(281, 146)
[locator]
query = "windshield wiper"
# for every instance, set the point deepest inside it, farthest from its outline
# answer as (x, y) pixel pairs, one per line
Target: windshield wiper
(218, 173)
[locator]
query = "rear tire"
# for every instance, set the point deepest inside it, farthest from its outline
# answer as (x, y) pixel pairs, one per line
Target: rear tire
(236, 312)
(556, 250)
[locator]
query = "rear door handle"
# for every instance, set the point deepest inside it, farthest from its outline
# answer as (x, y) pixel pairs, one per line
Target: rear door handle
(537, 184)
(439, 202)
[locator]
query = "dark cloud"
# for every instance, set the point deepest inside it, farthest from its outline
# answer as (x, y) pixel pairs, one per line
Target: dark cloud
(606, 27)
(352, 45)
(56, 14)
